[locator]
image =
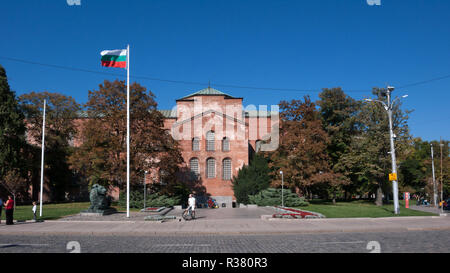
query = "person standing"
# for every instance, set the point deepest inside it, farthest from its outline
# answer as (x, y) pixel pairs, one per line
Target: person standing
(1, 208)
(34, 211)
(9, 210)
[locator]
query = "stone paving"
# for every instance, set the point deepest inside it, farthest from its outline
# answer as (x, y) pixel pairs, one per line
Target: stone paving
(428, 209)
(390, 242)
(201, 214)
(229, 226)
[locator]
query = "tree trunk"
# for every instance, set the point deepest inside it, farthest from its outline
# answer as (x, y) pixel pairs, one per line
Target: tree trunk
(334, 198)
(379, 196)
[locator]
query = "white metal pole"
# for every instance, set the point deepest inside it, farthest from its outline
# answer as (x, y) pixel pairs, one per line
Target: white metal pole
(282, 189)
(394, 163)
(42, 162)
(442, 189)
(145, 189)
(434, 178)
(128, 131)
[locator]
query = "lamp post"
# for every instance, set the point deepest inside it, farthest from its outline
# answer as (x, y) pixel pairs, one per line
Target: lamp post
(282, 189)
(434, 178)
(388, 107)
(442, 187)
(145, 189)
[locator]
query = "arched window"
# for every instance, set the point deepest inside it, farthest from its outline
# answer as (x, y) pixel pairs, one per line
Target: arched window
(225, 144)
(195, 144)
(193, 164)
(210, 137)
(226, 169)
(210, 168)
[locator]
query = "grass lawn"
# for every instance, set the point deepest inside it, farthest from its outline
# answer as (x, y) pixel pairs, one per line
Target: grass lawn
(49, 211)
(360, 208)
(54, 211)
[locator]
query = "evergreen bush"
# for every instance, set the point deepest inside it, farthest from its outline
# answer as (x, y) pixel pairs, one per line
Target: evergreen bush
(152, 200)
(272, 197)
(251, 179)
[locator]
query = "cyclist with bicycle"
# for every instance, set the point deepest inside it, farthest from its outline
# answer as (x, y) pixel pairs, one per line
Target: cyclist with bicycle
(191, 206)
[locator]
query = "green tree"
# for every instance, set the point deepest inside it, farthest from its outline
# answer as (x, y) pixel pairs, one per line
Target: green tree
(339, 116)
(60, 130)
(415, 171)
(368, 163)
(12, 132)
(251, 179)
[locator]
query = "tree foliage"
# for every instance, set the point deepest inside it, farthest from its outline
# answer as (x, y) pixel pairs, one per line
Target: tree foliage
(60, 130)
(12, 128)
(102, 156)
(302, 153)
(13, 146)
(369, 159)
(251, 179)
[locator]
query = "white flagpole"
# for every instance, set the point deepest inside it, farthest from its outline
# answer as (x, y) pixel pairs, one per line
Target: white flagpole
(128, 131)
(42, 162)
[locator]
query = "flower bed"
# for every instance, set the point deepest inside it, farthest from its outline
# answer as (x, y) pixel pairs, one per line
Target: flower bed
(159, 218)
(153, 209)
(291, 213)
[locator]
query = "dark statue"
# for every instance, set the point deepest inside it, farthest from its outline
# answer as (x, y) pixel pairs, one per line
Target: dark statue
(100, 202)
(99, 199)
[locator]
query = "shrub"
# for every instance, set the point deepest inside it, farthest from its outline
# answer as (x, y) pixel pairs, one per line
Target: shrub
(251, 179)
(272, 197)
(152, 200)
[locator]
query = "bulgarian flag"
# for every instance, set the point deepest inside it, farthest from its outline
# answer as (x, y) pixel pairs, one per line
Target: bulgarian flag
(114, 58)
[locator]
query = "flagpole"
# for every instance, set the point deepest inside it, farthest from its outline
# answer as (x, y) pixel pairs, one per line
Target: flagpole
(42, 163)
(128, 131)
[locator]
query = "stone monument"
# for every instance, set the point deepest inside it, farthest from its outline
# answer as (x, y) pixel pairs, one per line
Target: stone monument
(100, 202)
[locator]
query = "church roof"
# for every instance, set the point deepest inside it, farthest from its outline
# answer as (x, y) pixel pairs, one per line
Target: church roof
(207, 92)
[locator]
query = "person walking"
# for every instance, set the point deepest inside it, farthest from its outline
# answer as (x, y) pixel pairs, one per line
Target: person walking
(1, 208)
(191, 204)
(9, 210)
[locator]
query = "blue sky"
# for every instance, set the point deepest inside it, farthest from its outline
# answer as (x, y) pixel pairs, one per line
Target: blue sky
(292, 44)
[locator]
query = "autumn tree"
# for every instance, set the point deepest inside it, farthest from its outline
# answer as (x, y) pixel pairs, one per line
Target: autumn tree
(102, 156)
(60, 129)
(369, 159)
(302, 154)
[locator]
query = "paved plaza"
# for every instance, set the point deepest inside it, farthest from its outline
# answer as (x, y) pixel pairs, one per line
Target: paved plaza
(223, 221)
(242, 230)
(202, 214)
(389, 242)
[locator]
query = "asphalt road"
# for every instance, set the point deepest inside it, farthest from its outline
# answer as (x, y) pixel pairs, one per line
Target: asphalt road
(384, 242)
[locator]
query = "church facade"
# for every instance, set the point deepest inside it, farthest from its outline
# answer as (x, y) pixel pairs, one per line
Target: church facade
(218, 136)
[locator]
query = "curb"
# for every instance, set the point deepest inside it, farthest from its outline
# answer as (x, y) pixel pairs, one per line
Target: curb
(196, 233)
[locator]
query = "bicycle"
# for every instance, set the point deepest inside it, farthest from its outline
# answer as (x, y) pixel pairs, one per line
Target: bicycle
(188, 213)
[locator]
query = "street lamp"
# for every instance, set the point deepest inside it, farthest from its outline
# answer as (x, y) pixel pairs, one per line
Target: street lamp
(282, 187)
(388, 107)
(435, 196)
(145, 190)
(442, 194)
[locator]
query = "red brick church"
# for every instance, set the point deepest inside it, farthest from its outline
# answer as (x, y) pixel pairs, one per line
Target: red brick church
(217, 136)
